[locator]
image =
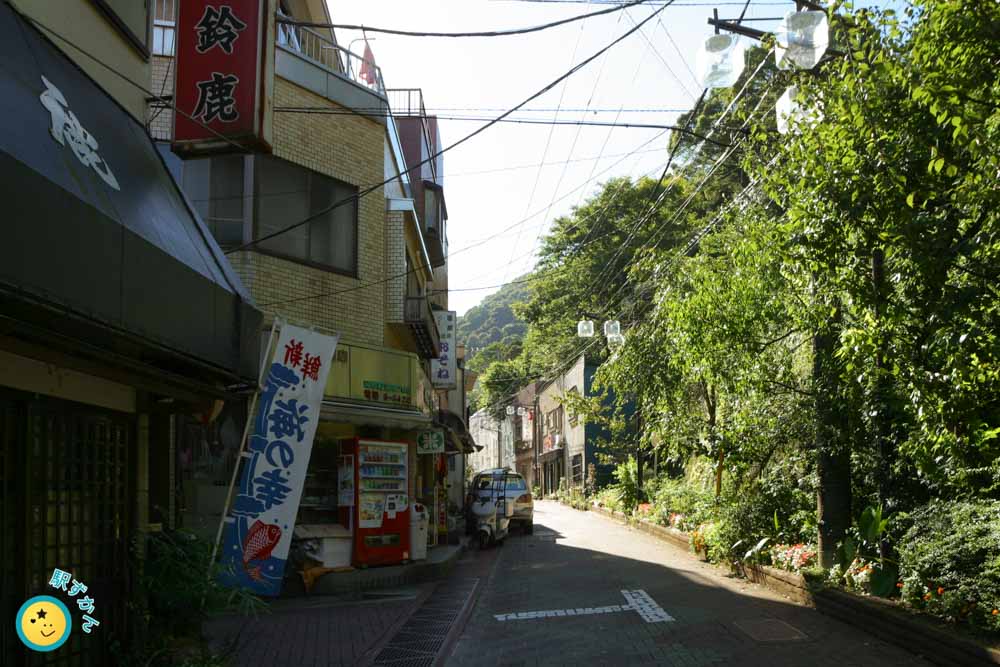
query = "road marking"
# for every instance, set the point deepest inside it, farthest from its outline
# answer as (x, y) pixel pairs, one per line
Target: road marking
(637, 600)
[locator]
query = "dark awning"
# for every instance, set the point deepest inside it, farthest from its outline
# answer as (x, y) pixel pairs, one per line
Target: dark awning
(459, 436)
(94, 225)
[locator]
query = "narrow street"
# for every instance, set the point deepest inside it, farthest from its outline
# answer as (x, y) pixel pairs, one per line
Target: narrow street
(576, 564)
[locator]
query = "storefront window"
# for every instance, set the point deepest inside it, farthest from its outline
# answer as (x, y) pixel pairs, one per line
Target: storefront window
(207, 450)
(319, 504)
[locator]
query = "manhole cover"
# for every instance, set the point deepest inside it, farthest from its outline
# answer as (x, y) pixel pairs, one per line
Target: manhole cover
(770, 630)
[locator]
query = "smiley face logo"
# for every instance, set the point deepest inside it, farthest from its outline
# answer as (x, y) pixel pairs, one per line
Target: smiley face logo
(43, 623)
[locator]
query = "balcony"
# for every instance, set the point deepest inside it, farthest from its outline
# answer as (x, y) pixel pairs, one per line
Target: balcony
(420, 138)
(314, 61)
(420, 319)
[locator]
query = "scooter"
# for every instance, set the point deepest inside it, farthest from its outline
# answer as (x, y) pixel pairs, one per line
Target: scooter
(492, 512)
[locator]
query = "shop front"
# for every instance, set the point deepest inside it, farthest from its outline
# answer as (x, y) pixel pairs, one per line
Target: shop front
(119, 315)
(364, 473)
(552, 462)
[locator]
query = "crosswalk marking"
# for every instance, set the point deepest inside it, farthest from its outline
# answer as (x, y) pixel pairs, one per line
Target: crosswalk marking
(636, 600)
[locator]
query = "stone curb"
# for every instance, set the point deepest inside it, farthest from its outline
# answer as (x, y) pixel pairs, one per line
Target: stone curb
(931, 640)
(358, 581)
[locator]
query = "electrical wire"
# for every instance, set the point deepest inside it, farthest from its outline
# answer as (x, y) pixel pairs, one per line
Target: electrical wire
(450, 254)
(548, 142)
(487, 33)
(572, 149)
(666, 65)
(327, 111)
(151, 96)
(437, 154)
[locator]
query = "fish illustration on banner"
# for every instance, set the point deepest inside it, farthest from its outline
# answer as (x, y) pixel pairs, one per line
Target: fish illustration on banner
(258, 528)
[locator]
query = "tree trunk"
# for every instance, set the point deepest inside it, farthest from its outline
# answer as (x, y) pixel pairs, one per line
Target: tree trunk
(638, 450)
(833, 460)
(882, 419)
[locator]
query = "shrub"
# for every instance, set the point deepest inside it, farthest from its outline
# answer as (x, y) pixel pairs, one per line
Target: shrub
(950, 562)
(793, 557)
(627, 485)
(608, 499)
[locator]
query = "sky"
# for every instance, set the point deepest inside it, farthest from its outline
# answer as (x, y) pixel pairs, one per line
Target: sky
(494, 180)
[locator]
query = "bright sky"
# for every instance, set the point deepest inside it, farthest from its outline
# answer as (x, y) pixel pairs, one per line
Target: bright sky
(484, 76)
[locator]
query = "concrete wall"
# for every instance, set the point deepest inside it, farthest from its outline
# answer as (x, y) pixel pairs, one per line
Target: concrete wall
(80, 22)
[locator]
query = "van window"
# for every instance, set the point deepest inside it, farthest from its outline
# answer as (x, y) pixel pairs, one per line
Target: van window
(516, 483)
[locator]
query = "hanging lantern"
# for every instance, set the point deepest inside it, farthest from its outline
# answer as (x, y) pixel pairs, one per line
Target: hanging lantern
(521, 411)
(510, 410)
(801, 40)
(790, 112)
(585, 329)
(615, 341)
(612, 328)
(720, 61)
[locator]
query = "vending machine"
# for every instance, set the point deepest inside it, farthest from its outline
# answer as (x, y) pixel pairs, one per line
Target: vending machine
(381, 509)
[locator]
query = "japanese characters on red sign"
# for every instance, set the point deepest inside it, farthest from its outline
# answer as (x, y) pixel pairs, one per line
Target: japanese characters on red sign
(221, 71)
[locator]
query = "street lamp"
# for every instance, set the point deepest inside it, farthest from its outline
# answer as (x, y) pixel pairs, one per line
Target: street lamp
(720, 61)
(801, 40)
(510, 410)
(585, 329)
(521, 411)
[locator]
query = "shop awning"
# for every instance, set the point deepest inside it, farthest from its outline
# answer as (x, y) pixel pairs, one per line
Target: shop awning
(550, 455)
(459, 439)
(95, 228)
(364, 414)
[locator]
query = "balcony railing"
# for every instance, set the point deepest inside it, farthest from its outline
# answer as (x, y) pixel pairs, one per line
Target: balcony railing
(419, 317)
(325, 52)
(406, 102)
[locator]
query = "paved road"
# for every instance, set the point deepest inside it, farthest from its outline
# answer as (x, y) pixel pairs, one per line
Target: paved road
(575, 569)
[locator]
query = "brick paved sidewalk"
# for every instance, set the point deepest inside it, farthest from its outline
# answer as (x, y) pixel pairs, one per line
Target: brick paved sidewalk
(316, 631)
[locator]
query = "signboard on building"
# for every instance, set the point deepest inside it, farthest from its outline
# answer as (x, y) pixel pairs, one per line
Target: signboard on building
(259, 525)
(224, 76)
(430, 442)
(444, 369)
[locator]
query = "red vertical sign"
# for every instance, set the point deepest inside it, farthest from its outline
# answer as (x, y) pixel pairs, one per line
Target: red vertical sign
(223, 69)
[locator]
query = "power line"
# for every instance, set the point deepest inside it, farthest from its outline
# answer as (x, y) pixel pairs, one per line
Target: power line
(488, 33)
(327, 111)
(450, 254)
(461, 141)
(545, 151)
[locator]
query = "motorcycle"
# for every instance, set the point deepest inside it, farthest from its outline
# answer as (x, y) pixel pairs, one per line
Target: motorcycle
(492, 511)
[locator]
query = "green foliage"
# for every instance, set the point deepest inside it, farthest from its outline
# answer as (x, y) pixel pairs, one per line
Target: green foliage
(178, 595)
(950, 561)
(627, 485)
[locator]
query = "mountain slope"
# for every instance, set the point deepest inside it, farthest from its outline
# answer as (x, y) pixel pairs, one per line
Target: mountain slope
(493, 321)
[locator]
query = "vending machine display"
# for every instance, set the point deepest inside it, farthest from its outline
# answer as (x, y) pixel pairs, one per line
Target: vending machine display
(383, 522)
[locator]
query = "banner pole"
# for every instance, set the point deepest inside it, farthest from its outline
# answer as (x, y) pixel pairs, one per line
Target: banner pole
(243, 443)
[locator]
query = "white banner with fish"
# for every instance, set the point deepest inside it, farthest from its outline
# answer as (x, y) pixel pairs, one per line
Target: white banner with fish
(258, 528)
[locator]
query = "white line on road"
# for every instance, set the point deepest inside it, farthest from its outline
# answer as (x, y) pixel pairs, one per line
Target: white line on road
(637, 600)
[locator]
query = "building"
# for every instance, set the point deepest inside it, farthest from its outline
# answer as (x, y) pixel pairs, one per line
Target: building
(121, 319)
(373, 271)
(568, 444)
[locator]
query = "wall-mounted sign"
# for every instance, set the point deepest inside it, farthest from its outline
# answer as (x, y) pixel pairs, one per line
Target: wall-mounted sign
(225, 76)
(430, 442)
(261, 519)
(444, 369)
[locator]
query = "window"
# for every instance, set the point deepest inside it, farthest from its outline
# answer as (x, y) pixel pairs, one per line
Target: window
(287, 194)
(578, 468)
(412, 284)
(516, 483)
(573, 417)
(215, 187)
(131, 18)
(164, 12)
